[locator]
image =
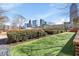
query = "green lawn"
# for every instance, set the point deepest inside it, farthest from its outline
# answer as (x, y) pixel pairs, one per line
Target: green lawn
(53, 45)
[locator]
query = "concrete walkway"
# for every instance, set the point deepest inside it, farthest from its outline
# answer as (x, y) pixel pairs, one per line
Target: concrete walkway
(4, 48)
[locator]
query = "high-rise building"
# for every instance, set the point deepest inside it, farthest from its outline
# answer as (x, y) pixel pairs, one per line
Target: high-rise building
(42, 22)
(34, 23)
(25, 25)
(30, 24)
(73, 14)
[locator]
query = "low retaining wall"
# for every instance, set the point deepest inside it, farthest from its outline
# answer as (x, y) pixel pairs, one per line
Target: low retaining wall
(76, 43)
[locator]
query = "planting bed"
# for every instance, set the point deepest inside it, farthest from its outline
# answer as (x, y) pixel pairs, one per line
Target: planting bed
(53, 45)
(22, 35)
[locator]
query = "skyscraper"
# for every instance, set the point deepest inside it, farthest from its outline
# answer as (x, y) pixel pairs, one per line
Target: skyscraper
(34, 23)
(30, 24)
(42, 22)
(73, 14)
(25, 26)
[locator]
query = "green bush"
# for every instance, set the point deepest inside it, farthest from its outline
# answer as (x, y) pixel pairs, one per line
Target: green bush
(16, 36)
(52, 31)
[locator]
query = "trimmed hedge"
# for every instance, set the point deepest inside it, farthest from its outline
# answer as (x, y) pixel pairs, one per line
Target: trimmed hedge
(17, 36)
(51, 31)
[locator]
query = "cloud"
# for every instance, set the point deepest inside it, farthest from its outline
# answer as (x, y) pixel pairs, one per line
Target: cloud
(53, 11)
(7, 6)
(52, 5)
(61, 7)
(8, 23)
(57, 5)
(45, 15)
(62, 20)
(49, 13)
(10, 7)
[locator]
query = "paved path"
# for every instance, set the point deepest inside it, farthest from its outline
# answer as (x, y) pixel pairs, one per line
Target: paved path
(4, 48)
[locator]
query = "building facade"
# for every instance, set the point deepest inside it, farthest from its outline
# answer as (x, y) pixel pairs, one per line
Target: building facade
(74, 15)
(34, 23)
(30, 23)
(42, 23)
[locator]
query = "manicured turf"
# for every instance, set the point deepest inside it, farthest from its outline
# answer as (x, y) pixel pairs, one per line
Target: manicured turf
(54, 45)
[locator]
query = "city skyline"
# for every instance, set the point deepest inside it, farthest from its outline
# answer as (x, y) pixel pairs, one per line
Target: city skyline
(57, 13)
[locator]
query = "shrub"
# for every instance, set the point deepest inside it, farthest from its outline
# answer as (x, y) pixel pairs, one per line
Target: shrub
(50, 31)
(16, 36)
(53, 31)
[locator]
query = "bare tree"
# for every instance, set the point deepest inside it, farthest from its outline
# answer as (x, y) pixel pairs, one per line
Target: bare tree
(14, 24)
(51, 23)
(18, 21)
(3, 18)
